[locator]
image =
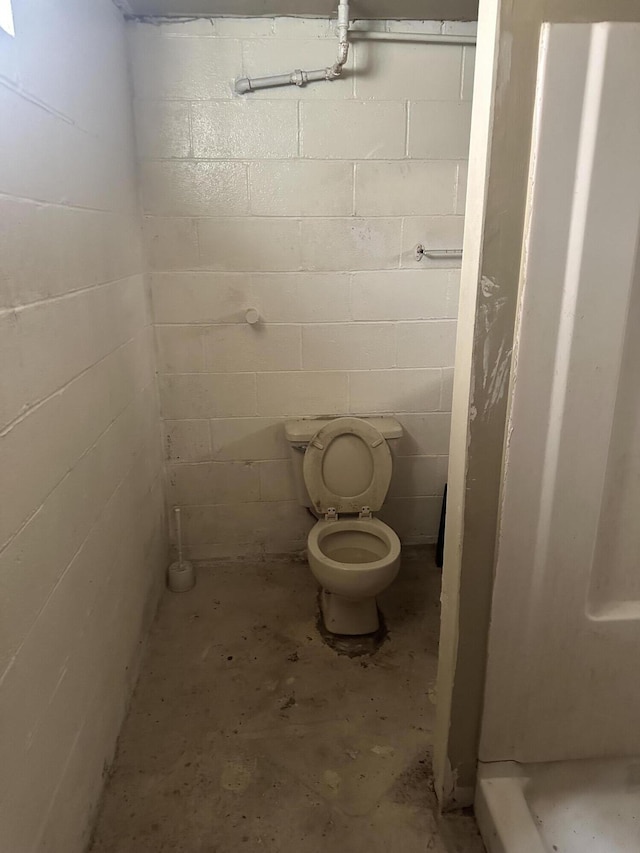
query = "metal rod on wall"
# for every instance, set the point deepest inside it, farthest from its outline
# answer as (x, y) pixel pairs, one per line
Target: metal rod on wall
(437, 254)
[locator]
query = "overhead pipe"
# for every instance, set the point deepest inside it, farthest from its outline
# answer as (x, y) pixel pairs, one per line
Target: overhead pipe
(422, 38)
(299, 77)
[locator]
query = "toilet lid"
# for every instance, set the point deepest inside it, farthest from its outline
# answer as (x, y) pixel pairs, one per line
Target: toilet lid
(347, 466)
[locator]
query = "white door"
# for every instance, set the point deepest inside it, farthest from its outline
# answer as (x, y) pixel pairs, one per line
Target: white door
(564, 644)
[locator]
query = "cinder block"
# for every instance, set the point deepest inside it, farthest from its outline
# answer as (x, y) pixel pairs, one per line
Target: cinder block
(207, 483)
(240, 348)
(211, 297)
(52, 436)
(70, 329)
(401, 295)
(347, 346)
(415, 520)
(253, 28)
(429, 72)
(248, 439)
(431, 343)
(276, 481)
(200, 297)
(288, 27)
(301, 188)
(439, 130)
(353, 130)
(55, 533)
(194, 189)
(170, 243)
(30, 156)
(187, 441)
(244, 129)
(395, 391)
(302, 297)
(460, 28)
(418, 476)
(207, 395)
(432, 232)
(29, 275)
(301, 394)
(454, 292)
(409, 188)
(180, 349)
(188, 68)
(44, 158)
(162, 129)
(424, 434)
(250, 244)
(250, 528)
(350, 244)
(215, 28)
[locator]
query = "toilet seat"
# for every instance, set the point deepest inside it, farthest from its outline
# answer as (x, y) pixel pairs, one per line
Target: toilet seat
(347, 468)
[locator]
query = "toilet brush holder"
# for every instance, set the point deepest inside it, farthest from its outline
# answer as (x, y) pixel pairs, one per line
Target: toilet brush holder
(181, 576)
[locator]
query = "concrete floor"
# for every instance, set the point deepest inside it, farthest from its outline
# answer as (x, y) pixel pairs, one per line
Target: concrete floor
(247, 733)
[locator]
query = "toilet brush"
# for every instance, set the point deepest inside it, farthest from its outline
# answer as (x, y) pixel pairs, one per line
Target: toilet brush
(181, 575)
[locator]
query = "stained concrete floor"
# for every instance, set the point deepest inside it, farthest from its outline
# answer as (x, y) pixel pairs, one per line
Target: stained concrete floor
(247, 733)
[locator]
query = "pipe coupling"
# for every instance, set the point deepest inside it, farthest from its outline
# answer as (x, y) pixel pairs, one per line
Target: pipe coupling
(299, 77)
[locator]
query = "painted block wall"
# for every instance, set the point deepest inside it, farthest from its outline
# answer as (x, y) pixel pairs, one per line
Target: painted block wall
(306, 204)
(82, 542)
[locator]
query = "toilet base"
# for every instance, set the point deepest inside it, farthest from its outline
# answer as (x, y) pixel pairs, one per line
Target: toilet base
(348, 616)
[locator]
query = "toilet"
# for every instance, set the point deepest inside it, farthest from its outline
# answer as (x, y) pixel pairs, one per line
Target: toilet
(343, 469)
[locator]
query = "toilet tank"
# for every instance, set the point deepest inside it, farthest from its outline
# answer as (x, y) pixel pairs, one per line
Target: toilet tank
(300, 432)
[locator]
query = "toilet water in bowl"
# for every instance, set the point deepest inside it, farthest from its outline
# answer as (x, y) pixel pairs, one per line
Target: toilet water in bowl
(353, 555)
(353, 547)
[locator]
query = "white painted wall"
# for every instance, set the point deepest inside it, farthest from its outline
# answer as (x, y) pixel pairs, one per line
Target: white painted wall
(82, 539)
(307, 204)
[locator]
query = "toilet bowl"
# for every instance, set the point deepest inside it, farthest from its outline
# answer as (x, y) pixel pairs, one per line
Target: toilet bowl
(353, 560)
(353, 555)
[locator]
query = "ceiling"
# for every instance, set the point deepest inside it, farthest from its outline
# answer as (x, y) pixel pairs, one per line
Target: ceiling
(450, 10)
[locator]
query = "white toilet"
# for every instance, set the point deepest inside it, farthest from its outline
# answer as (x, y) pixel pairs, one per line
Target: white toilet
(343, 468)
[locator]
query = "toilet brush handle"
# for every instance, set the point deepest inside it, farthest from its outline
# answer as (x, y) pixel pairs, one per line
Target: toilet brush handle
(179, 533)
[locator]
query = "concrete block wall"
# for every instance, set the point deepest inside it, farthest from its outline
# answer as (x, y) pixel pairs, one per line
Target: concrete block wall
(82, 538)
(306, 204)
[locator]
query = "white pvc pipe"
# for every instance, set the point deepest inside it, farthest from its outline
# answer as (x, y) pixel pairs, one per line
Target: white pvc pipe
(295, 78)
(332, 72)
(299, 77)
(423, 38)
(343, 38)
